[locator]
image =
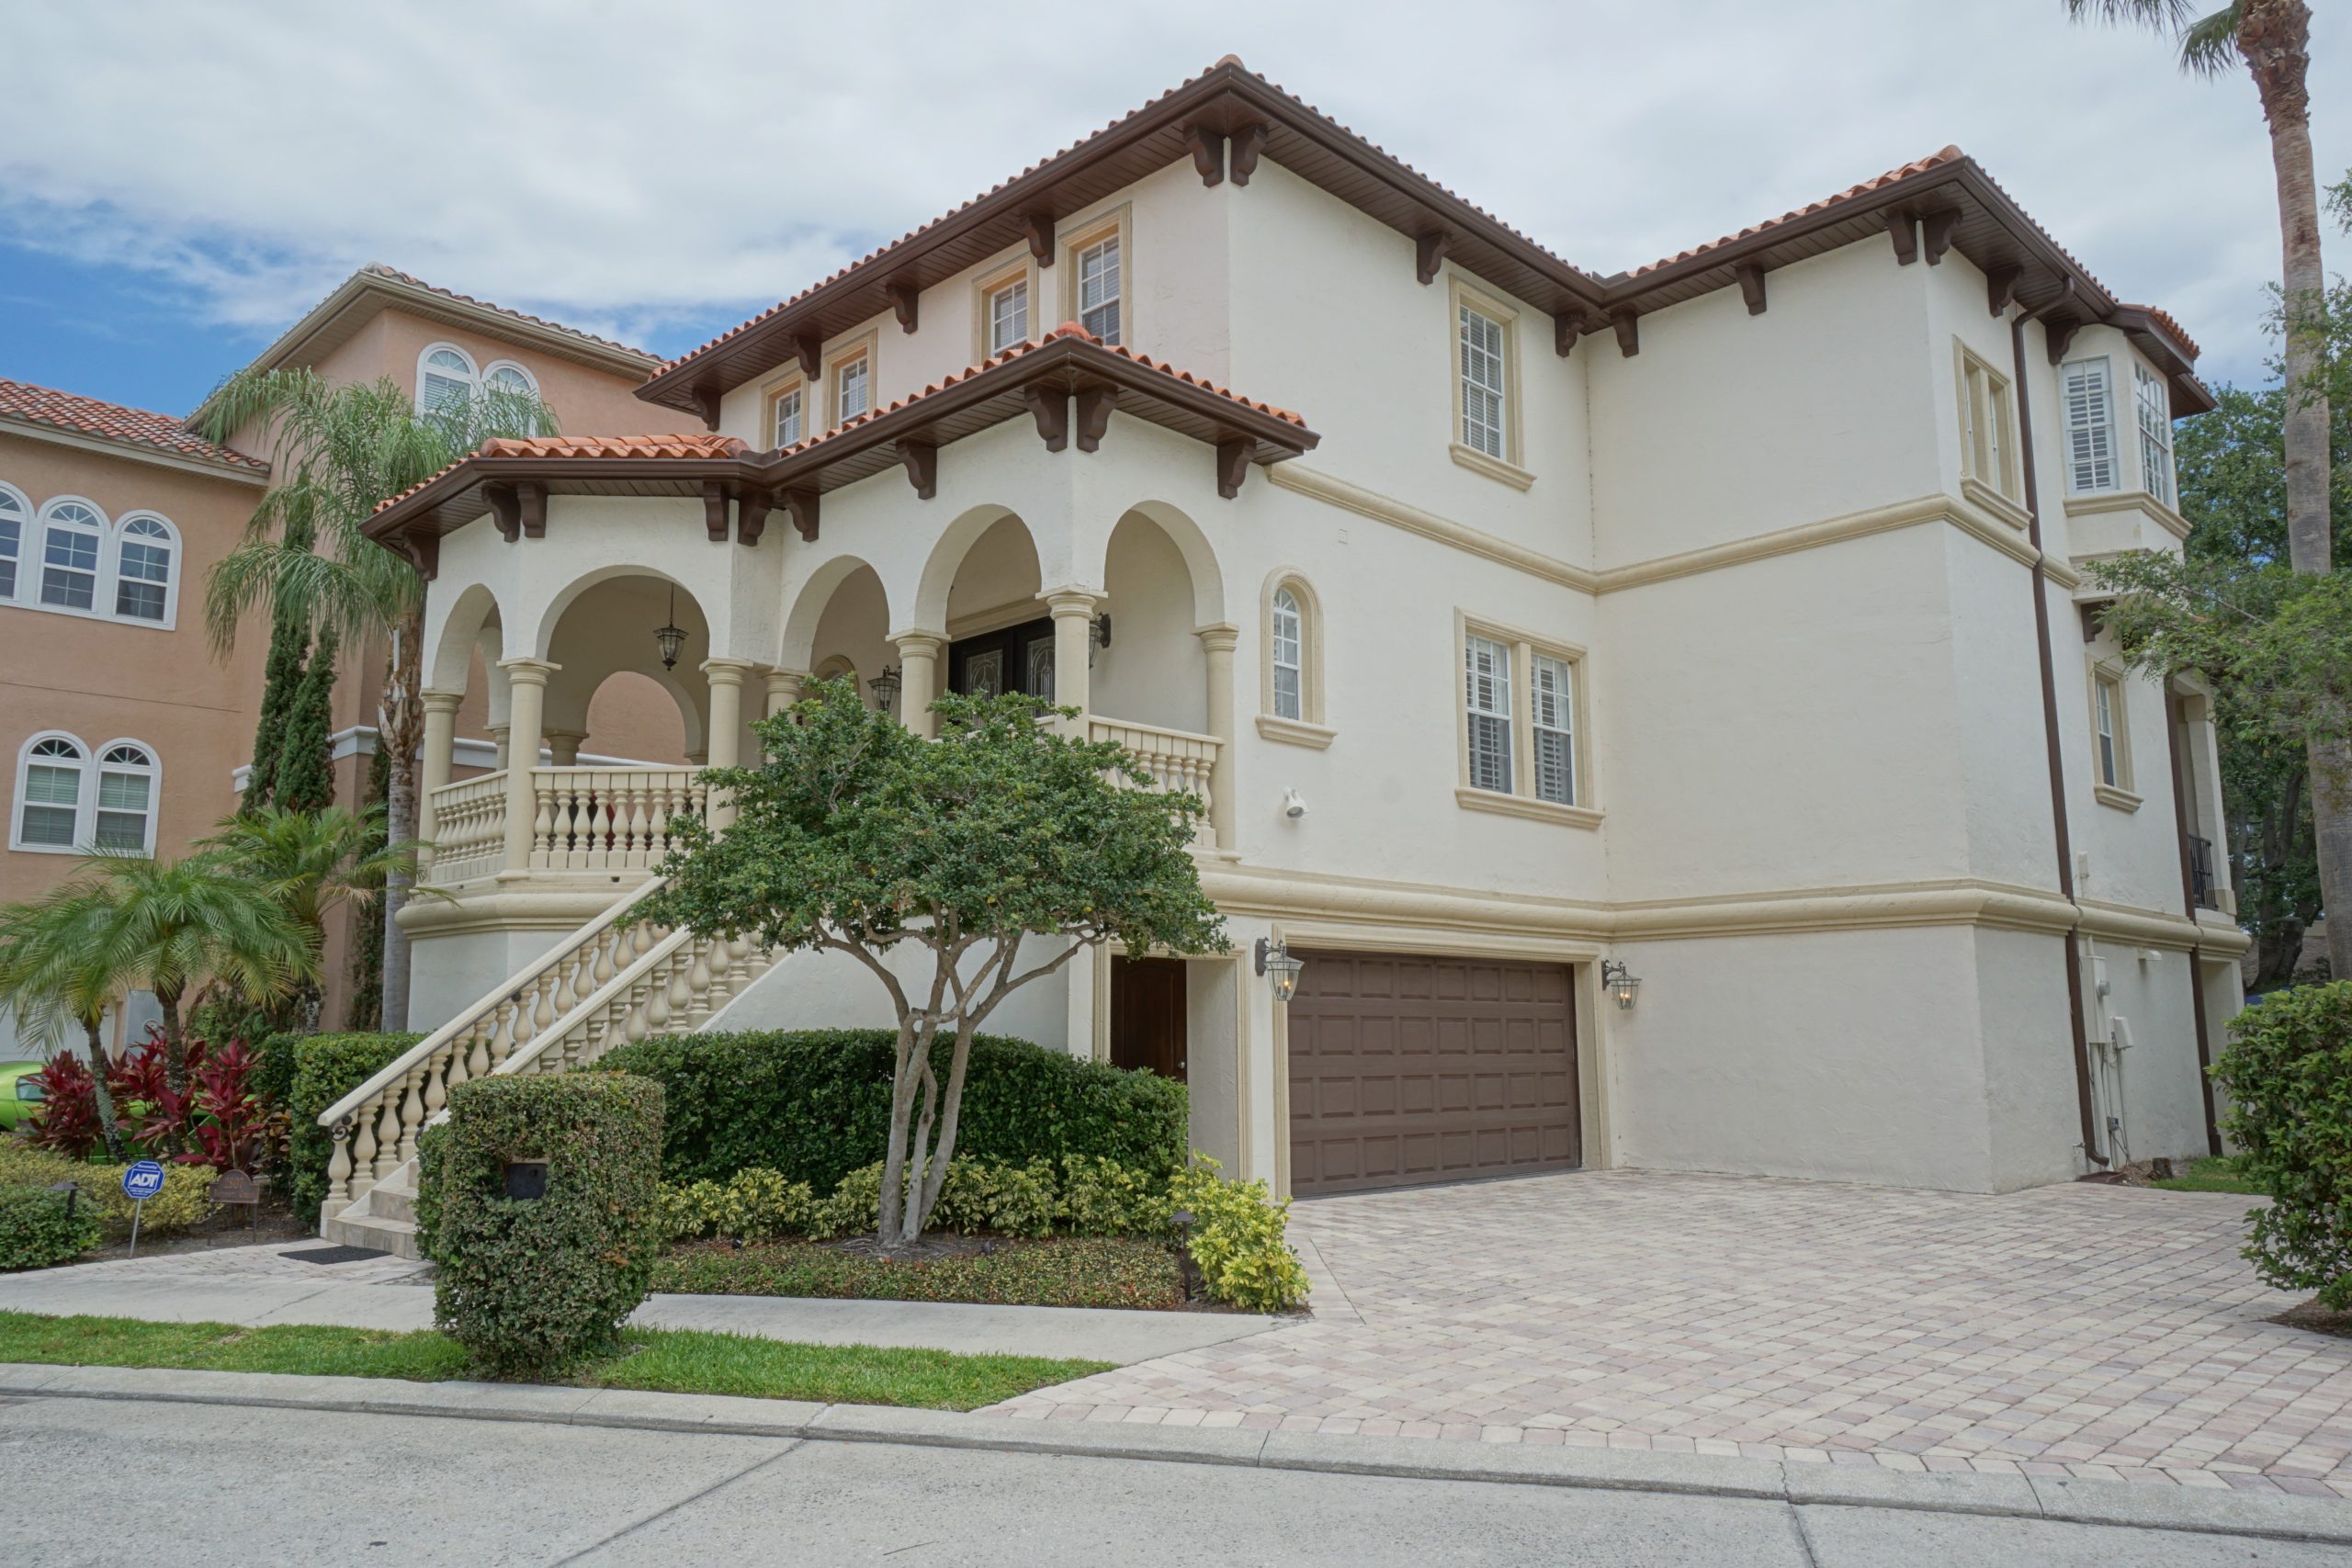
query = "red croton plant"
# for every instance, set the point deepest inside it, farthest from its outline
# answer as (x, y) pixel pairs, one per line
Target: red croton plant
(222, 1121)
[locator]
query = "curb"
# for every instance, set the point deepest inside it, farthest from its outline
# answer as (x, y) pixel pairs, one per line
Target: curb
(2063, 1499)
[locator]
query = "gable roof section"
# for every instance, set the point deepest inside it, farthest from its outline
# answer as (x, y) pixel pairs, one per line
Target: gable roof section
(143, 433)
(1039, 380)
(1987, 226)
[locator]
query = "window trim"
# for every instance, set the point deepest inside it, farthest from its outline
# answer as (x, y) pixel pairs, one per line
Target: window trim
(473, 371)
(89, 768)
(101, 571)
(865, 346)
(2107, 675)
(121, 536)
(1311, 729)
(2142, 378)
(774, 392)
(2067, 427)
(26, 532)
(153, 771)
(1019, 268)
(1523, 801)
(495, 366)
(1510, 467)
(1082, 236)
(2002, 493)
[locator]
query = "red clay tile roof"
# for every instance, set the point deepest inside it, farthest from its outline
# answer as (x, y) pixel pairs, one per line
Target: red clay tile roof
(113, 422)
(380, 270)
(2164, 321)
(694, 445)
(1918, 166)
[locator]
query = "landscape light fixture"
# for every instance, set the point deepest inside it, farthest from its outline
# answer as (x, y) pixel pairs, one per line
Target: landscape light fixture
(1280, 968)
(670, 635)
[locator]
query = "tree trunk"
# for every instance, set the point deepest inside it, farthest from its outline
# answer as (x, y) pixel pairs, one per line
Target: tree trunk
(109, 1121)
(174, 1052)
(399, 720)
(2275, 36)
(905, 1078)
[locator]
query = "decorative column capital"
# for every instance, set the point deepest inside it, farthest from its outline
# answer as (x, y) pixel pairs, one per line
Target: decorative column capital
(728, 671)
(920, 645)
(437, 700)
(1223, 637)
(528, 672)
(1063, 602)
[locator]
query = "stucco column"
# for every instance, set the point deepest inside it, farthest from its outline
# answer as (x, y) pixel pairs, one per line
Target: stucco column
(1219, 642)
(726, 677)
(525, 705)
(784, 689)
(563, 746)
(498, 739)
(440, 743)
(1073, 612)
(919, 680)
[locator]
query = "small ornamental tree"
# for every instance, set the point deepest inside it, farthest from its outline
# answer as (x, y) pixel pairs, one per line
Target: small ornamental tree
(998, 852)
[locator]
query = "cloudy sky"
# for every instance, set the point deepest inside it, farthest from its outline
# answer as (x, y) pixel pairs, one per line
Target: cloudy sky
(178, 182)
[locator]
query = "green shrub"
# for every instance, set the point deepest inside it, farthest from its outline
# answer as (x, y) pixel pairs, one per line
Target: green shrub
(855, 1207)
(2288, 1071)
(38, 1227)
(185, 1201)
(1079, 1271)
(1237, 1240)
(531, 1285)
(814, 1105)
(1010, 1199)
(751, 1205)
(1101, 1197)
(318, 1070)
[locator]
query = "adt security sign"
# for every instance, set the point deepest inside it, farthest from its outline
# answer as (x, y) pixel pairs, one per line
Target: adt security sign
(141, 1180)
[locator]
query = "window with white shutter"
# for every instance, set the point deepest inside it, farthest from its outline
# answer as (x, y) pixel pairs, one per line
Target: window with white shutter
(2156, 432)
(1290, 669)
(1487, 695)
(1554, 695)
(788, 424)
(1008, 316)
(1099, 288)
(15, 513)
(852, 389)
(1482, 371)
(2086, 391)
(48, 793)
(445, 379)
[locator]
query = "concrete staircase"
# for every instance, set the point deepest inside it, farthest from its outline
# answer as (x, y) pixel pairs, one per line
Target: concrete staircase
(617, 979)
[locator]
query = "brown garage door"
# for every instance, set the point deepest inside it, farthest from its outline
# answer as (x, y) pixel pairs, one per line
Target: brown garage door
(1407, 1069)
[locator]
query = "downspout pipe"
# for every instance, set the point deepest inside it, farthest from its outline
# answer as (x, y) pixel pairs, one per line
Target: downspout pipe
(2063, 840)
(2189, 904)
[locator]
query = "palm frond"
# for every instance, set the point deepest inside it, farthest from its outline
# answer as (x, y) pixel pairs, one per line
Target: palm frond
(2156, 16)
(2208, 46)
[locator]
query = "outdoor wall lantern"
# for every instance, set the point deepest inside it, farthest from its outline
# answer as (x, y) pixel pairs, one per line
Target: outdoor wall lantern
(1620, 983)
(885, 689)
(1282, 971)
(1099, 637)
(670, 635)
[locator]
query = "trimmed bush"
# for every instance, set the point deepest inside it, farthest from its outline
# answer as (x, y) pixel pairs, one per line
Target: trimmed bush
(2288, 1071)
(185, 1201)
(318, 1070)
(38, 1227)
(532, 1285)
(814, 1105)
(1237, 1240)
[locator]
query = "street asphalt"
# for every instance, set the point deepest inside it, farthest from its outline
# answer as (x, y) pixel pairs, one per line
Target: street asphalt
(127, 1480)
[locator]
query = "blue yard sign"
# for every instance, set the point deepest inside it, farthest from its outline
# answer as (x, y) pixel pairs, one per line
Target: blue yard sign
(141, 1180)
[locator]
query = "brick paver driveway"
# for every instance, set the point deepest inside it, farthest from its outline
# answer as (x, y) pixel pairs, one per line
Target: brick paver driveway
(2098, 1330)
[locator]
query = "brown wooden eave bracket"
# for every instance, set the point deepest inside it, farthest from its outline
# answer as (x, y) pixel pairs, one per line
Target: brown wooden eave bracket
(1751, 286)
(1628, 323)
(1233, 465)
(1904, 228)
(1038, 230)
(423, 552)
(1241, 152)
(1094, 406)
(811, 350)
(905, 302)
(1050, 406)
(2060, 331)
(801, 505)
(921, 460)
(751, 507)
(1936, 231)
(705, 398)
(1429, 253)
(714, 511)
(2001, 288)
(1567, 327)
(1207, 147)
(518, 511)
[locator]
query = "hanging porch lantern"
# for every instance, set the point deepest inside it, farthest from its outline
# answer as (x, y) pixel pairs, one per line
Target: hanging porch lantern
(884, 688)
(671, 637)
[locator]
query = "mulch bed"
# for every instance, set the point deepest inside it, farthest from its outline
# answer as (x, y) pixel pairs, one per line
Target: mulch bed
(274, 1224)
(2318, 1319)
(1079, 1271)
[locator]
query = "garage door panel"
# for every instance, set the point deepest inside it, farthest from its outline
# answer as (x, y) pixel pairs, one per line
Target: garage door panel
(1406, 1068)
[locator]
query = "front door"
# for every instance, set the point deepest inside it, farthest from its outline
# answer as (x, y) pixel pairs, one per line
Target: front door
(1018, 659)
(1148, 1014)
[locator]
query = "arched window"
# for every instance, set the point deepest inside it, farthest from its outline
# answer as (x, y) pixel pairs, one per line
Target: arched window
(1291, 692)
(16, 517)
(445, 379)
(125, 801)
(508, 377)
(69, 572)
(142, 579)
(48, 793)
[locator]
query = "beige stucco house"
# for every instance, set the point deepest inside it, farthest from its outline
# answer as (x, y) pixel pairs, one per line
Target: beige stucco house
(1720, 624)
(118, 723)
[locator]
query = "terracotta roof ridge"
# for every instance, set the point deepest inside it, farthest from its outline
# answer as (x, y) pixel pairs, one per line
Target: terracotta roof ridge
(1947, 154)
(76, 412)
(678, 448)
(380, 269)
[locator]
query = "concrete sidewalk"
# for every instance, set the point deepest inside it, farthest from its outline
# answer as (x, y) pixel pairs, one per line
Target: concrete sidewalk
(1971, 1505)
(255, 1286)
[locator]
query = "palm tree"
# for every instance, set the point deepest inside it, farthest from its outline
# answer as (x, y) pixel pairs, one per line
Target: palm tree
(337, 452)
(2273, 37)
(312, 862)
(54, 976)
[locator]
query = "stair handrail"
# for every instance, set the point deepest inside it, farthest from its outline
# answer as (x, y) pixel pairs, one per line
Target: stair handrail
(523, 1056)
(439, 1040)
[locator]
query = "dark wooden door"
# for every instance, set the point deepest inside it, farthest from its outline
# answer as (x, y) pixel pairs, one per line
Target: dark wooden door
(1018, 659)
(1148, 1014)
(1407, 1069)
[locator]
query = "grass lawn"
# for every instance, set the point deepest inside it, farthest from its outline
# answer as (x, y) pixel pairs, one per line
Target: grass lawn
(668, 1361)
(1068, 1271)
(2215, 1173)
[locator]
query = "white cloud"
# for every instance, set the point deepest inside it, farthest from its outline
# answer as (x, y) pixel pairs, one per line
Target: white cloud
(630, 167)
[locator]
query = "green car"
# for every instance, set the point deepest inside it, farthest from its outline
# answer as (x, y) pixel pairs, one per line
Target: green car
(18, 1093)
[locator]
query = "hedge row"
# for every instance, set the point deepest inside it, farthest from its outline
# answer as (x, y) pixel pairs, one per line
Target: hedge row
(814, 1105)
(308, 1073)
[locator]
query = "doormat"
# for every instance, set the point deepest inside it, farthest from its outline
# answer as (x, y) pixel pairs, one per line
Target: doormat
(334, 1253)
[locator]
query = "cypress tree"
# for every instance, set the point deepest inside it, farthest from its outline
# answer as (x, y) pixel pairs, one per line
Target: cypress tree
(305, 779)
(289, 643)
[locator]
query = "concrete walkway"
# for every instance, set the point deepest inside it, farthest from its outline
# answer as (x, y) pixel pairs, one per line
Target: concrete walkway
(328, 1470)
(258, 1285)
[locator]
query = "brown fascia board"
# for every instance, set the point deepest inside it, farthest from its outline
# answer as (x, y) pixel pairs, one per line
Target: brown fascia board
(1225, 98)
(2189, 395)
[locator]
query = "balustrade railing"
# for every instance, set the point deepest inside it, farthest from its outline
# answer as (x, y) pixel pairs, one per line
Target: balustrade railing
(1178, 761)
(610, 819)
(469, 828)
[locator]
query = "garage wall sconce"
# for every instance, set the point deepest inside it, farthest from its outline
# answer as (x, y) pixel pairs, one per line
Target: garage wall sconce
(1620, 982)
(1282, 971)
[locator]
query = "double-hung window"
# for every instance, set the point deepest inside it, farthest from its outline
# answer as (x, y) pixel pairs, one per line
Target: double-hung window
(126, 799)
(1008, 316)
(1099, 288)
(2156, 432)
(2111, 738)
(1552, 719)
(852, 388)
(2086, 391)
(50, 798)
(13, 519)
(445, 380)
(787, 419)
(1289, 655)
(1522, 750)
(1483, 368)
(70, 536)
(144, 571)
(1985, 411)
(1487, 698)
